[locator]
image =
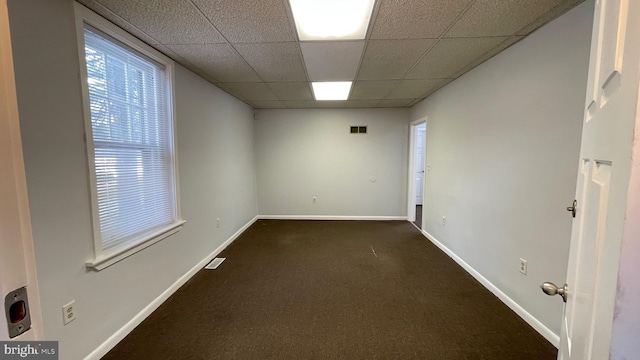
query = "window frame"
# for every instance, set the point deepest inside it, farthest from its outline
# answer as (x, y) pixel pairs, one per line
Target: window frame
(101, 258)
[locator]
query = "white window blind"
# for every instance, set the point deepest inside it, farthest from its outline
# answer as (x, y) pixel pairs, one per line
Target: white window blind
(132, 135)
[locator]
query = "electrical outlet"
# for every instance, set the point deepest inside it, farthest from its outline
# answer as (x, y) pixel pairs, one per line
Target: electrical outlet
(68, 313)
(218, 222)
(444, 221)
(523, 266)
(315, 199)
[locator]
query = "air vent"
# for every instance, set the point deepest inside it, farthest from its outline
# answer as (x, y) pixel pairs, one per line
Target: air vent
(358, 129)
(215, 263)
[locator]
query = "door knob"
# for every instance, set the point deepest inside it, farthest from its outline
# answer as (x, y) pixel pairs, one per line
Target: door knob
(573, 208)
(551, 289)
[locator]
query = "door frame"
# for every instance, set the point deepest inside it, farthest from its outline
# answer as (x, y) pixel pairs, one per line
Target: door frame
(411, 191)
(17, 259)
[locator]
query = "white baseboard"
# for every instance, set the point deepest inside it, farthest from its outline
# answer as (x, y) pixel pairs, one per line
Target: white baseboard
(552, 337)
(114, 339)
(329, 217)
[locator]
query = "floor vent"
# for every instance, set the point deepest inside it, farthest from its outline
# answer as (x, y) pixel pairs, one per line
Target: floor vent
(214, 264)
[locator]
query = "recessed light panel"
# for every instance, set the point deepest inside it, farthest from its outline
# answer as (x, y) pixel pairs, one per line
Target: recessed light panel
(331, 90)
(331, 19)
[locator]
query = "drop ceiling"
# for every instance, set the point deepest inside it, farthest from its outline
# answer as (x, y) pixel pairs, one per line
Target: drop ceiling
(250, 48)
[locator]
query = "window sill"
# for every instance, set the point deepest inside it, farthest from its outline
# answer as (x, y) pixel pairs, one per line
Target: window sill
(107, 260)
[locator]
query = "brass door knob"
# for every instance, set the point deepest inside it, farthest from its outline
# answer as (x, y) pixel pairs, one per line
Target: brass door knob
(551, 289)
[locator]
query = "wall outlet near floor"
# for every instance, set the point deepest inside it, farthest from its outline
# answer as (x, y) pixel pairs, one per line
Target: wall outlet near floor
(315, 200)
(218, 222)
(444, 221)
(68, 312)
(523, 266)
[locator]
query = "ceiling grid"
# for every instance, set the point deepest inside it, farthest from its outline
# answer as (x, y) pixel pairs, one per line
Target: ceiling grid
(251, 49)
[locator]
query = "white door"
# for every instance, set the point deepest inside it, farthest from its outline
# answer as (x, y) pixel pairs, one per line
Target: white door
(421, 131)
(605, 161)
(17, 264)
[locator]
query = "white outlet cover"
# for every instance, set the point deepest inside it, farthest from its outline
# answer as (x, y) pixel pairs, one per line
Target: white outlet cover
(68, 313)
(523, 266)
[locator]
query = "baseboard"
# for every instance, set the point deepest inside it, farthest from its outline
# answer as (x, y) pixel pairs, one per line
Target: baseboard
(552, 337)
(112, 341)
(329, 217)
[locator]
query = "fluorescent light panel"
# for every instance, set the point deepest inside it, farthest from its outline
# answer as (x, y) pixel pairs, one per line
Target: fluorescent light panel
(331, 90)
(331, 19)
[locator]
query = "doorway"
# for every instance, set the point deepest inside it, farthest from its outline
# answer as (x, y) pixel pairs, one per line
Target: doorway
(17, 259)
(416, 176)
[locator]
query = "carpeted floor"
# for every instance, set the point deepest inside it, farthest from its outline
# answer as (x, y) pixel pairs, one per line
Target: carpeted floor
(333, 290)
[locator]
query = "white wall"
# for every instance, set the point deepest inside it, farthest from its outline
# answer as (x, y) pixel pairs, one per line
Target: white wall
(305, 153)
(503, 145)
(216, 170)
(626, 322)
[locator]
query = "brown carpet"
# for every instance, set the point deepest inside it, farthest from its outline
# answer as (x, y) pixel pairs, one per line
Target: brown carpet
(333, 290)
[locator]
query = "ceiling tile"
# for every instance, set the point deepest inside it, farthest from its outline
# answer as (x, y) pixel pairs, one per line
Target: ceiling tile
(450, 55)
(274, 62)
(416, 89)
(347, 104)
(330, 104)
(168, 21)
(499, 18)
(367, 90)
(263, 45)
(415, 101)
(390, 59)
(362, 103)
(548, 16)
(224, 87)
(332, 61)
(250, 91)
(500, 47)
(396, 103)
(249, 20)
(300, 104)
(218, 60)
(268, 104)
(291, 90)
(415, 19)
(119, 21)
(172, 54)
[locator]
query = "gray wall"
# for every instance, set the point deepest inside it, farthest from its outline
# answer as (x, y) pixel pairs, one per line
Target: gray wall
(305, 153)
(216, 171)
(503, 144)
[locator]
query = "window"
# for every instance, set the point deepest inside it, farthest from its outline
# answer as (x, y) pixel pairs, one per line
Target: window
(130, 145)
